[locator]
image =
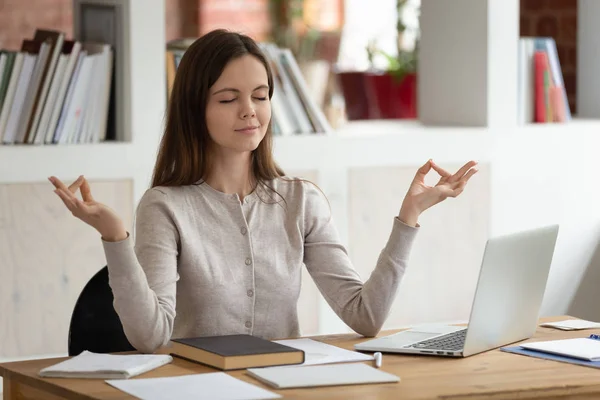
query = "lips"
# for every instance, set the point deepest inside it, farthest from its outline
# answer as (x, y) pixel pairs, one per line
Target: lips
(247, 129)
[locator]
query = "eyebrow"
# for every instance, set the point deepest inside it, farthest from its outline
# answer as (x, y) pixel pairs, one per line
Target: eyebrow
(237, 90)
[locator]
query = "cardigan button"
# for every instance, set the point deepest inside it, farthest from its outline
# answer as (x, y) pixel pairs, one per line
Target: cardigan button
(248, 261)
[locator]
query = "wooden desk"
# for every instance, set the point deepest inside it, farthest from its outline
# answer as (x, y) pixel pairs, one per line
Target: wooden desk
(489, 375)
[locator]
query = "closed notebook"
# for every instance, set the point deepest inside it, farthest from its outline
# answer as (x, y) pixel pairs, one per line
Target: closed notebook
(321, 375)
(229, 352)
(582, 348)
(105, 366)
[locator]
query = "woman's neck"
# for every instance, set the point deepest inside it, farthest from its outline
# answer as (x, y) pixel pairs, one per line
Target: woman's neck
(231, 175)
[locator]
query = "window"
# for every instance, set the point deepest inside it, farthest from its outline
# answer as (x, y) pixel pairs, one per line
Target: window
(374, 20)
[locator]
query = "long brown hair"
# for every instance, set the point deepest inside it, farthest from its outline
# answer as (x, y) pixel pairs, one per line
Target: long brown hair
(183, 152)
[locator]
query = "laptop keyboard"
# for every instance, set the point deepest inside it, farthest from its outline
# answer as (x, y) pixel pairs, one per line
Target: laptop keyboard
(451, 342)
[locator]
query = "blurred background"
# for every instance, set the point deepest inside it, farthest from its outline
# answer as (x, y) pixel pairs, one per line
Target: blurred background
(358, 58)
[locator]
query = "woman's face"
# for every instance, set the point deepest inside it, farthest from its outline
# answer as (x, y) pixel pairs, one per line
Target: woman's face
(238, 109)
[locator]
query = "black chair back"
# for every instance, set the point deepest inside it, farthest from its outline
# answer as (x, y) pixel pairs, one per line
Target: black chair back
(95, 325)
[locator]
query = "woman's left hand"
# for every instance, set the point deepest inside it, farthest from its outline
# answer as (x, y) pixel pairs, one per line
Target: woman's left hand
(420, 197)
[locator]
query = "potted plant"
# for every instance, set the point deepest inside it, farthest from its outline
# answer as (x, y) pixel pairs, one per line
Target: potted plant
(387, 93)
(393, 92)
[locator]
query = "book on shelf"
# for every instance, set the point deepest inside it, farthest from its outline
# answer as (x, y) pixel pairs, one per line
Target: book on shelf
(54, 90)
(231, 352)
(542, 97)
(294, 111)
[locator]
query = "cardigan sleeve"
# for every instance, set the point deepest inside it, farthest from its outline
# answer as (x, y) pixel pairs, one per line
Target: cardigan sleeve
(363, 306)
(143, 276)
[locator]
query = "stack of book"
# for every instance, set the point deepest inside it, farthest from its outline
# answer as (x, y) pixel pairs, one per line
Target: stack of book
(55, 91)
(294, 111)
(542, 96)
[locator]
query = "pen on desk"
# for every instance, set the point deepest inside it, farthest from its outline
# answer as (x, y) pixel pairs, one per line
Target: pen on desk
(378, 359)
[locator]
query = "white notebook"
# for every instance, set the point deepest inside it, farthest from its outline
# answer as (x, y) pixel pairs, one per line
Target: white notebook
(105, 366)
(210, 386)
(321, 375)
(582, 348)
(572, 324)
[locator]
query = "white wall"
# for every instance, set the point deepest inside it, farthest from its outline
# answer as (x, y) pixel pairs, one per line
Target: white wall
(549, 175)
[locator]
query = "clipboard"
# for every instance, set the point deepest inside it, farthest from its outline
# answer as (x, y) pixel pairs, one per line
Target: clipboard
(553, 357)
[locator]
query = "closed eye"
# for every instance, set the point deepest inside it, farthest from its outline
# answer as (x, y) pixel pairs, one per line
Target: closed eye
(232, 100)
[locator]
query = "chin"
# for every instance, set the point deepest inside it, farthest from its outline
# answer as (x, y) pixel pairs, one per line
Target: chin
(248, 146)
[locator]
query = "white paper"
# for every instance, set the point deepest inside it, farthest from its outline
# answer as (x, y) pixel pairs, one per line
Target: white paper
(573, 324)
(321, 375)
(321, 353)
(96, 365)
(209, 386)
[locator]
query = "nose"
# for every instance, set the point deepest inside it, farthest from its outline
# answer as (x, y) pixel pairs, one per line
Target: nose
(248, 111)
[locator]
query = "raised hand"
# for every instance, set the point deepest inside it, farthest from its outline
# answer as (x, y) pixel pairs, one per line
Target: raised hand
(420, 196)
(93, 213)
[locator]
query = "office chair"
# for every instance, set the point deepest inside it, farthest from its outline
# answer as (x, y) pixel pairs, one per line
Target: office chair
(95, 325)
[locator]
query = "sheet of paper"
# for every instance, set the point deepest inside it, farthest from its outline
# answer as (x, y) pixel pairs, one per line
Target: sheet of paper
(321, 353)
(321, 375)
(210, 386)
(573, 324)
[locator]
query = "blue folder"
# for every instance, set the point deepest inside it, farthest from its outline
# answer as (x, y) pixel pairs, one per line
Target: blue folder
(548, 356)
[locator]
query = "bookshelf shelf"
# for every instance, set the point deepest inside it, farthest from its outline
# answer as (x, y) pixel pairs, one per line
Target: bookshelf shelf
(354, 145)
(28, 164)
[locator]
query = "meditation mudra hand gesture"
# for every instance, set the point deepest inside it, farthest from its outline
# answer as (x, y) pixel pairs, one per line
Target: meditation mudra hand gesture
(420, 197)
(93, 213)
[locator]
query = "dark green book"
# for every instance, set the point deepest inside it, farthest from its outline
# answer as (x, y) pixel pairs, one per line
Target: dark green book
(229, 352)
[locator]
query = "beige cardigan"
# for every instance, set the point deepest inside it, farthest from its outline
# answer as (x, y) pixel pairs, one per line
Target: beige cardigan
(205, 263)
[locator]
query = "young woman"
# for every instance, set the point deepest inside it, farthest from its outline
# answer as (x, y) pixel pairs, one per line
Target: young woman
(222, 234)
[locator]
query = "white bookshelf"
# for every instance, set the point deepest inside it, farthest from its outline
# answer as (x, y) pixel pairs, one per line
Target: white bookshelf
(144, 106)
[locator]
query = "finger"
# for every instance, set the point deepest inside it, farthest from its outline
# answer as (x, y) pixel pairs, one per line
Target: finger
(66, 199)
(58, 184)
(443, 173)
(469, 174)
(461, 172)
(458, 187)
(75, 185)
(424, 170)
(86, 192)
(453, 191)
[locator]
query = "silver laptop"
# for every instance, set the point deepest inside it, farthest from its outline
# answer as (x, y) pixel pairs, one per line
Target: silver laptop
(506, 305)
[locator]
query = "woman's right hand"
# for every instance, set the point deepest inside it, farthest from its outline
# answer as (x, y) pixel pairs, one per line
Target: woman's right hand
(101, 217)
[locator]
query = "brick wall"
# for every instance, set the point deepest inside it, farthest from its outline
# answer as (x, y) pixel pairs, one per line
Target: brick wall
(247, 16)
(20, 18)
(558, 19)
(183, 18)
